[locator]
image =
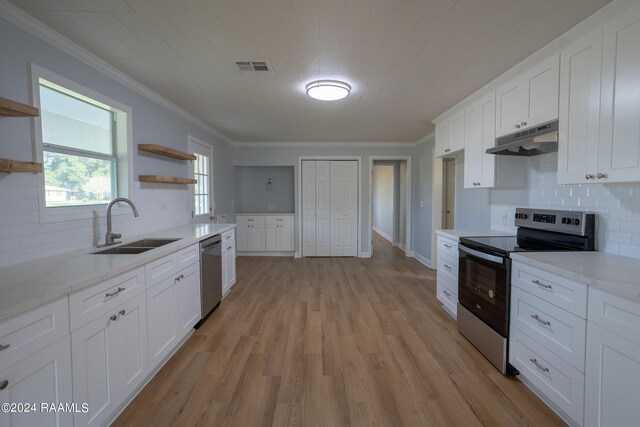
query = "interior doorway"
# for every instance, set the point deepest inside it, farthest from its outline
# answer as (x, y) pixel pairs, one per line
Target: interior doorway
(390, 207)
(448, 193)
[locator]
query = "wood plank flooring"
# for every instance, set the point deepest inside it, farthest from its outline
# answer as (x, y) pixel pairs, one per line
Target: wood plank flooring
(332, 342)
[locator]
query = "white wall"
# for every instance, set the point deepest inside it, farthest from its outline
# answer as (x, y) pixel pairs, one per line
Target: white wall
(617, 205)
(252, 194)
(22, 237)
(383, 200)
(472, 205)
(402, 202)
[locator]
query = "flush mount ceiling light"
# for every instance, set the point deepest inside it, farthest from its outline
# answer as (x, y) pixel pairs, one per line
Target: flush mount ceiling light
(328, 90)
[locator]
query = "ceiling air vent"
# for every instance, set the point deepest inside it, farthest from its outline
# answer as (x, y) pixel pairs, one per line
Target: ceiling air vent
(253, 66)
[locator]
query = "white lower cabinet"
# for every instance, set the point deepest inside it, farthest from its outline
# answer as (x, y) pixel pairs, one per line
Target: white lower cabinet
(161, 315)
(228, 261)
(265, 233)
(613, 361)
(109, 360)
(447, 275)
(187, 296)
(42, 377)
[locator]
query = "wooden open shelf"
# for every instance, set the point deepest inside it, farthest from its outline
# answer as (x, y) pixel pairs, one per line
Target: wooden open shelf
(11, 108)
(166, 179)
(8, 166)
(166, 151)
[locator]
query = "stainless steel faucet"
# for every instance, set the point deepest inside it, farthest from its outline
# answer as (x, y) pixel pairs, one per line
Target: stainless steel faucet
(110, 237)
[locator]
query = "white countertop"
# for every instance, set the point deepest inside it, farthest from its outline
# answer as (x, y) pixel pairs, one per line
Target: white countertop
(611, 273)
(30, 284)
(456, 234)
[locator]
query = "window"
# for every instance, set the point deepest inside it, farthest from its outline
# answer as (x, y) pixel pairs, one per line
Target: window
(202, 172)
(83, 140)
(79, 151)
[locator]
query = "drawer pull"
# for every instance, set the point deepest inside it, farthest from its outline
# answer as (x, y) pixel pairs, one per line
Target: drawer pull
(447, 246)
(180, 277)
(4, 347)
(229, 248)
(448, 267)
(542, 285)
(4, 384)
(113, 318)
(122, 312)
(447, 293)
(113, 294)
(544, 322)
(538, 365)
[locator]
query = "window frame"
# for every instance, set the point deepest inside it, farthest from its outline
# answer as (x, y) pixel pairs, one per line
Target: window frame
(122, 140)
(206, 217)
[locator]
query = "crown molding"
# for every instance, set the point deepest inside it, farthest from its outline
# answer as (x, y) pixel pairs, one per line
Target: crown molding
(30, 24)
(334, 144)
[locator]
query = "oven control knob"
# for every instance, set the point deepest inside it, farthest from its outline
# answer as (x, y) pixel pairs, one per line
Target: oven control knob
(525, 216)
(565, 220)
(576, 222)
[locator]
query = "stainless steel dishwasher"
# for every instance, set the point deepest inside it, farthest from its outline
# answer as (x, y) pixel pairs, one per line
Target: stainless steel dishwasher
(210, 276)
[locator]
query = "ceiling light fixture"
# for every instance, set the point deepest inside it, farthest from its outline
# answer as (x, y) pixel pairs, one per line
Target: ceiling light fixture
(328, 90)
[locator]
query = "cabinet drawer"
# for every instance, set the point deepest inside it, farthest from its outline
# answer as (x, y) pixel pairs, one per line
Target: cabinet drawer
(556, 329)
(228, 246)
(449, 267)
(448, 246)
(564, 293)
(616, 314)
(188, 256)
(161, 269)
(250, 219)
(228, 235)
(559, 381)
(25, 334)
(279, 220)
(447, 294)
(88, 304)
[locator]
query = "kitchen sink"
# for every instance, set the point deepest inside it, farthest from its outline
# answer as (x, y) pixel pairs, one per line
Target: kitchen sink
(121, 250)
(149, 243)
(136, 247)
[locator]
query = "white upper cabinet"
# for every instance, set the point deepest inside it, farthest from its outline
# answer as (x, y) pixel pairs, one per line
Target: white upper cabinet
(619, 147)
(450, 135)
(529, 99)
(479, 167)
(580, 73)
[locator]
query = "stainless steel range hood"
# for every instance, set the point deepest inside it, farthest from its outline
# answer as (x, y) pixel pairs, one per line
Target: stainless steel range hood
(531, 142)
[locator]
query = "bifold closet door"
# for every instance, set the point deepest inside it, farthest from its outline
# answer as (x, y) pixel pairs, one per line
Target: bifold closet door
(308, 208)
(344, 208)
(323, 207)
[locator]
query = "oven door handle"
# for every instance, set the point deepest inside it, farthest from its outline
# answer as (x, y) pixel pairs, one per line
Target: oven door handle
(478, 254)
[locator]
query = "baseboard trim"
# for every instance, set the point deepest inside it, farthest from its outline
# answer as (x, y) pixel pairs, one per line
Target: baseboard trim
(421, 259)
(364, 255)
(402, 246)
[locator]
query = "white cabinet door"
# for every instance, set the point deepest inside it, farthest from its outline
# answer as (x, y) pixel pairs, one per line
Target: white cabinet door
(285, 238)
(443, 138)
(43, 377)
(509, 106)
(580, 73)
(529, 99)
(479, 167)
(187, 295)
(308, 208)
(271, 237)
(109, 360)
(612, 380)
(619, 149)
(257, 238)
(242, 235)
(450, 134)
(457, 132)
(540, 92)
(161, 313)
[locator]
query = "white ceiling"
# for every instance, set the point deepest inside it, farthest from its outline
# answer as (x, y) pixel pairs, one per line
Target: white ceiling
(407, 60)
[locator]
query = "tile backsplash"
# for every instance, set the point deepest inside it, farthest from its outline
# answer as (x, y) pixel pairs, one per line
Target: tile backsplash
(617, 205)
(23, 238)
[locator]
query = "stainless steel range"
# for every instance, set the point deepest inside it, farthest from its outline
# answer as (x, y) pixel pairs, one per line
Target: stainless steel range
(484, 273)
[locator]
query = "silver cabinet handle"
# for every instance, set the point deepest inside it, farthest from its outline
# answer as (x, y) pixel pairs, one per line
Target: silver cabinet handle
(448, 267)
(4, 347)
(4, 384)
(544, 322)
(538, 365)
(517, 126)
(601, 175)
(542, 285)
(113, 317)
(446, 246)
(523, 123)
(229, 248)
(122, 312)
(180, 277)
(447, 293)
(589, 176)
(113, 294)
(447, 150)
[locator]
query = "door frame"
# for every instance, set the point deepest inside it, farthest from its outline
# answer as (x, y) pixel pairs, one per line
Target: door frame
(407, 249)
(298, 184)
(191, 141)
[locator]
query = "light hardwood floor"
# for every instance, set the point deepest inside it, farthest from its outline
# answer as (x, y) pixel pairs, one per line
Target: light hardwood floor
(324, 342)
